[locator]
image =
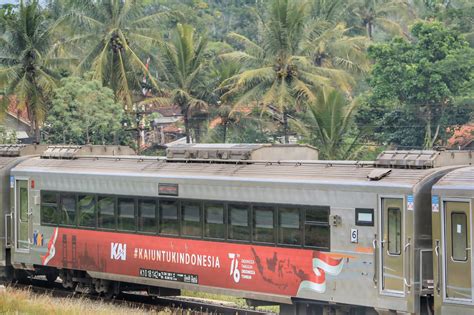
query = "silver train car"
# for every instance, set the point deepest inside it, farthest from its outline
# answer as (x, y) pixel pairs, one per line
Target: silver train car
(312, 236)
(452, 212)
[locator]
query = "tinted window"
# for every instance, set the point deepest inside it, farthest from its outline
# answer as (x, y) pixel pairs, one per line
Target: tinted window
(86, 207)
(126, 214)
(214, 224)
(68, 209)
(459, 236)
(317, 232)
(239, 222)
(169, 217)
(191, 219)
(263, 224)
(106, 210)
(394, 231)
(147, 221)
(289, 226)
(49, 208)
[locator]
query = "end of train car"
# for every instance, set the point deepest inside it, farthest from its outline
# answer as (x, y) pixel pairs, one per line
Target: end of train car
(453, 220)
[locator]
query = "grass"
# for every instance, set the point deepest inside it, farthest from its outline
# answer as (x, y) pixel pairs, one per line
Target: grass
(23, 301)
(18, 301)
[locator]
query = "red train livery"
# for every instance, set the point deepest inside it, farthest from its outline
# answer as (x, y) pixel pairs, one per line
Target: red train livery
(282, 271)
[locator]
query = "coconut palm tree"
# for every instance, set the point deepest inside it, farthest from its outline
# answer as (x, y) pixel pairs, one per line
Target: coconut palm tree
(329, 46)
(327, 124)
(381, 13)
(117, 36)
(27, 65)
(277, 71)
(184, 62)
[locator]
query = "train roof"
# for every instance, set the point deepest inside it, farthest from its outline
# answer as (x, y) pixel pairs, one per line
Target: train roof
(460, 179)
(333, 172)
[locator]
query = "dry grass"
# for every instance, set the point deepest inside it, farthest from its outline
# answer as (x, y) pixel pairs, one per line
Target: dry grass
(16, 301)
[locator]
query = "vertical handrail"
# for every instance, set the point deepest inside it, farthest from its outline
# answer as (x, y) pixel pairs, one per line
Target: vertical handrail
(438, 256)
(374, 245)
(408, 269)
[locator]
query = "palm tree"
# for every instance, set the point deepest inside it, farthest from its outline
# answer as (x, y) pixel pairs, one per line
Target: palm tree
(183, 58)
(329, 46)
(117, 35)
(381, 13)
(277, 72)
(327, 125)
(27, 66)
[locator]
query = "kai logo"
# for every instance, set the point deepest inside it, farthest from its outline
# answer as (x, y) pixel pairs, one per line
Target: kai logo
(234, 267)
(118, 251)
(38, 238)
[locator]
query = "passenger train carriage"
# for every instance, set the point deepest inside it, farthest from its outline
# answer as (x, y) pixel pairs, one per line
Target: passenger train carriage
(309, 235)
(452, 200)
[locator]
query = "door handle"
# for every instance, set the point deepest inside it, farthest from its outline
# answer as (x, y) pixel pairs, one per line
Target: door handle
(374, 245)
(438, 286)
(407, 260)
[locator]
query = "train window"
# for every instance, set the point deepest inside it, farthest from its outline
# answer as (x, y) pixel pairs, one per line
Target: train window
(214, 220)
(239, 222)
(364, 217)
(317, 231)
(169, 223)
(459, 236)
(147, 216)
(394, 231)
(49, 207)
(191, 218)
(86, 207)
(106, 211)
(68, 209)
(126, 214)
(289, 226)
(263, 224)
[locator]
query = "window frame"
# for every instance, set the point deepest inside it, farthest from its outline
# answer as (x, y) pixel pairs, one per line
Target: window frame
(249, 221)
(201, 217)
(399, 237)
(301, 226)
(466, 257)
(275, 225)
(364, 210)
(224, 214)
(178, 216)
(157, 215)
(316, 223)
(135, 213)
(58, 197)
(115, 199)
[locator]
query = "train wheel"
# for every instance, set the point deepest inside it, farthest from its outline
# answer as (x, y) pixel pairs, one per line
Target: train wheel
(52, 275)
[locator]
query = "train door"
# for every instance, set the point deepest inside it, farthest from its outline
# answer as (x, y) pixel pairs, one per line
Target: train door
(22, 215)
(458, 262)
(391, 248)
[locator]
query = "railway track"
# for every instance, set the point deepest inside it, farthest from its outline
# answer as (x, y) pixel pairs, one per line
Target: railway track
(178, 305)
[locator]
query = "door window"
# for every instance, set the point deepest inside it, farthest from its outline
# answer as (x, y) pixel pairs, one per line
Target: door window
(459, 236)
(394, 231)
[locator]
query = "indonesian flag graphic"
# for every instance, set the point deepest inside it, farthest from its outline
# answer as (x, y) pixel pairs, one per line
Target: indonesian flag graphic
(51, 248)
(322, 264)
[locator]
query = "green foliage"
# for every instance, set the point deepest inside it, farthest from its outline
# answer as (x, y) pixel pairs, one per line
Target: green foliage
(83, 112)
(184, 62)
(423, 76)
(7, 137)
(113, 37)
(27, 65)
(327, 125)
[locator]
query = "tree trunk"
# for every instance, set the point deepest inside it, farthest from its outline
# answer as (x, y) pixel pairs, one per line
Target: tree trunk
(186, 126)
(428, 141)
(225, 132)
(368, 26)
(37, 133)
(285, 126)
